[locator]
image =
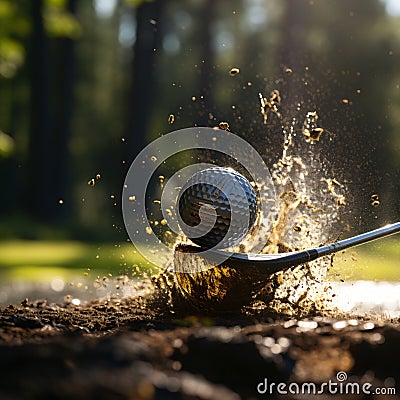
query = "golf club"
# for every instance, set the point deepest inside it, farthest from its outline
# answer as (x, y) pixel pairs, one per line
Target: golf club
(272, 263)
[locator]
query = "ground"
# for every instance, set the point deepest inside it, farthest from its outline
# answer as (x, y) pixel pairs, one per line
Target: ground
(118, 349)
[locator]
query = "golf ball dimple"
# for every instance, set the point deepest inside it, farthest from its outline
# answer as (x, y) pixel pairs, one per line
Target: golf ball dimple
(214, 200)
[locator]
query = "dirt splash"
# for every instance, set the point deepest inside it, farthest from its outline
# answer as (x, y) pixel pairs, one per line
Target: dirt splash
(309, 204)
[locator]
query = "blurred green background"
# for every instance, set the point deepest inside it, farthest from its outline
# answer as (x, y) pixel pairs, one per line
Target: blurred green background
(84, 85)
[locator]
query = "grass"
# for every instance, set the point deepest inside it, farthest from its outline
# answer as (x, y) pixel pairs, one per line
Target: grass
(40, 260)
(378, 260)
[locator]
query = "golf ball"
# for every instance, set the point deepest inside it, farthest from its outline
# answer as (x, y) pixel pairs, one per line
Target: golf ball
(214, 201)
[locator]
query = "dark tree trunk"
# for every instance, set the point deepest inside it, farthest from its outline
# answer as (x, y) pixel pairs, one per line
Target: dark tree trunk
(65, 58)
(38, 198)
(207, 61)
(291, 50)
(141, 96)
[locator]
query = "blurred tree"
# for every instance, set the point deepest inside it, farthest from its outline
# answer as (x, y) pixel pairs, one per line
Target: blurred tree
(27, 32)
(290, 53)
(48, 141)
(64, 63)
(348, 49)
(14, 25)
(39, 189)
(149, 17)
(98, 119)
(207, 61)
(14, 29)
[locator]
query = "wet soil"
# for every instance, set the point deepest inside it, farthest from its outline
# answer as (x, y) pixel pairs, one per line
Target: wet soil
(119, 349)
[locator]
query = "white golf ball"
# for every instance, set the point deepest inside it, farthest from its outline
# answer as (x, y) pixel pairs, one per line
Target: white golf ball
(212, 201)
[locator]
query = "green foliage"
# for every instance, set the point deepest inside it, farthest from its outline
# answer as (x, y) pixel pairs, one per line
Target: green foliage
(13, 27)
(12, 56)
(136, 3)
(59, 22)
(61, 4)
(6, 145)
(6, 9)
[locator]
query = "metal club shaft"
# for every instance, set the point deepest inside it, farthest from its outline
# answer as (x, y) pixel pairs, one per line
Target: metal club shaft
(278, 262)
(359, 239)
